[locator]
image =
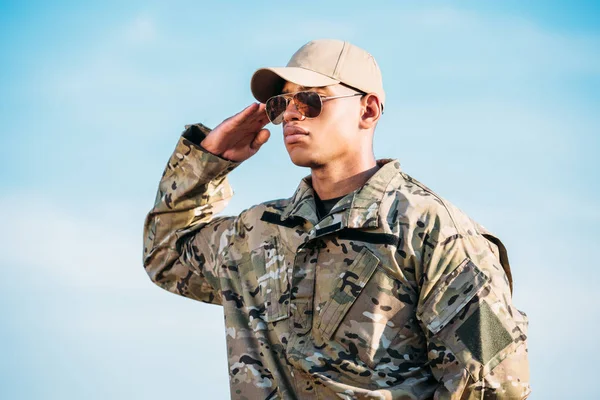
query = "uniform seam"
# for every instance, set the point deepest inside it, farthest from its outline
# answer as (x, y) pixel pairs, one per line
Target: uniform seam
(339, 60)
(443, 201)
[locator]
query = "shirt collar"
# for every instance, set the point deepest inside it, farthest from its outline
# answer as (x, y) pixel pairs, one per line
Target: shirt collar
(359, 209)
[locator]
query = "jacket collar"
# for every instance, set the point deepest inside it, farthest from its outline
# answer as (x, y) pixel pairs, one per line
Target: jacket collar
(359, 209)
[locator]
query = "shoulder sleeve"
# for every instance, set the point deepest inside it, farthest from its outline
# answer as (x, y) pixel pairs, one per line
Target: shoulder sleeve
(476, 338)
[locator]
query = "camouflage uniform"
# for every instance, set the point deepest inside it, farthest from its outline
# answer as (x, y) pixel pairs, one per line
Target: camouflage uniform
(395, 294)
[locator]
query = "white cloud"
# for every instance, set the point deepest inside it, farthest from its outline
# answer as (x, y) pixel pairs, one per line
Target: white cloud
(141, 29)
(73, 276)
(55, 244)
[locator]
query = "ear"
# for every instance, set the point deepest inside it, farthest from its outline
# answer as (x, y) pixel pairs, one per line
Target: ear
(371, 111)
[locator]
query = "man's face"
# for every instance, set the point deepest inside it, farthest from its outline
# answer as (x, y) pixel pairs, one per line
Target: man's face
(332, 136)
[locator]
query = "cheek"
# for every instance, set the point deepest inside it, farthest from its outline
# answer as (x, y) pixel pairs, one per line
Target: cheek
(333, 131)
(339, 127)
(344, 115)
(333, 141)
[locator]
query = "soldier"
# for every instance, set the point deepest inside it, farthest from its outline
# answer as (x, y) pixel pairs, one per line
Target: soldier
(364, 284)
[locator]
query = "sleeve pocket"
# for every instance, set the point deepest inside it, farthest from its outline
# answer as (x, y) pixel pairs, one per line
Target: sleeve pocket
(451, 295)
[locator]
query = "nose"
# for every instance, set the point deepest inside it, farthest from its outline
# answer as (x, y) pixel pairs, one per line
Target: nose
(291, 112)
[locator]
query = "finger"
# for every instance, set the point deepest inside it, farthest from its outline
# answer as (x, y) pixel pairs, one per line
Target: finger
(253, 118)
(246, 113)
(257, 120)
(261, 138)
(260, 113)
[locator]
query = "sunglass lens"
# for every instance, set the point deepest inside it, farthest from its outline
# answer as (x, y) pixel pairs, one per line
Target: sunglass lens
(275, 108)
(308, 103)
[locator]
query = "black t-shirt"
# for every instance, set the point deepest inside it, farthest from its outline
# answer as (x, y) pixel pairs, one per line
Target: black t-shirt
(324, 206)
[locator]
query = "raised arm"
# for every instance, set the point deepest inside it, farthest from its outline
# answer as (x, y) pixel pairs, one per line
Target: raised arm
(182, 235)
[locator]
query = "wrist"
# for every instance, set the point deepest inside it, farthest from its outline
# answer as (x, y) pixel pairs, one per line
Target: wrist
(208, 145)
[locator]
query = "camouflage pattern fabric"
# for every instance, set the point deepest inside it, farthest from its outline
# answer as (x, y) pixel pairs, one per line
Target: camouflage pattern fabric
(395, 294)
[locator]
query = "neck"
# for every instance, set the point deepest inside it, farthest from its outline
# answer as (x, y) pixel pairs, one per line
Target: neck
(337, 179)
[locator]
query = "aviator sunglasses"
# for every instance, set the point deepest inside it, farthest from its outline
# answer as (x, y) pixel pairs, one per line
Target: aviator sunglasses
(309, 104)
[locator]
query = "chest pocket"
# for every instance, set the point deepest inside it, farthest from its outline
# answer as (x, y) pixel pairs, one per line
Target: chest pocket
(273, 281)
(367, 309)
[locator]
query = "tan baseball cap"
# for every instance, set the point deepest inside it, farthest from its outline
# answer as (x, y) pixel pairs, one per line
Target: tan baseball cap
(321, 63)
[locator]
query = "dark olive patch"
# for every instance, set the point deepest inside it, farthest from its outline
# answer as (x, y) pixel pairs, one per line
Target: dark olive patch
(483, 334)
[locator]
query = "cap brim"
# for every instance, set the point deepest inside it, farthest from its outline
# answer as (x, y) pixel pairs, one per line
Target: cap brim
(268, 82)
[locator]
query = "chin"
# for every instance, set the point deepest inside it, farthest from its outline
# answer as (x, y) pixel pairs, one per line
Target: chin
(301, 157)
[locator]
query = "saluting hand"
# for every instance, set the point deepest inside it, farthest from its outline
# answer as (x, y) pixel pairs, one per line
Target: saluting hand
(241, 136)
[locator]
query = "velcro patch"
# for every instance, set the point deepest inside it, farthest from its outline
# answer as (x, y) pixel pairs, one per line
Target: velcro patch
(483, 334)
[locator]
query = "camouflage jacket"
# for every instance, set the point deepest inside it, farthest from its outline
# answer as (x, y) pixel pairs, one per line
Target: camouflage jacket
(395, 294)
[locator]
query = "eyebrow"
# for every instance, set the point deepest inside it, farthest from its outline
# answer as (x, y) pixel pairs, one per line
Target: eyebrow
(303, 88)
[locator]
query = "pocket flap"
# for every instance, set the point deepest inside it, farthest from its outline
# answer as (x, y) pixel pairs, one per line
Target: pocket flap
(275, 282)
(347, 287)
(451, 295)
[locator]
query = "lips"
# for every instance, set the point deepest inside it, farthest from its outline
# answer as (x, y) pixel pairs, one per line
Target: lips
(293, 134)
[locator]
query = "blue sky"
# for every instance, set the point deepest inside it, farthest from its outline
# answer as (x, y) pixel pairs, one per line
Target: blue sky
(494, 105)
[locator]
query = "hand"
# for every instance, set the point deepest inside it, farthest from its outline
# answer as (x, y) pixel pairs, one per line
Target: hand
(239, 137)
